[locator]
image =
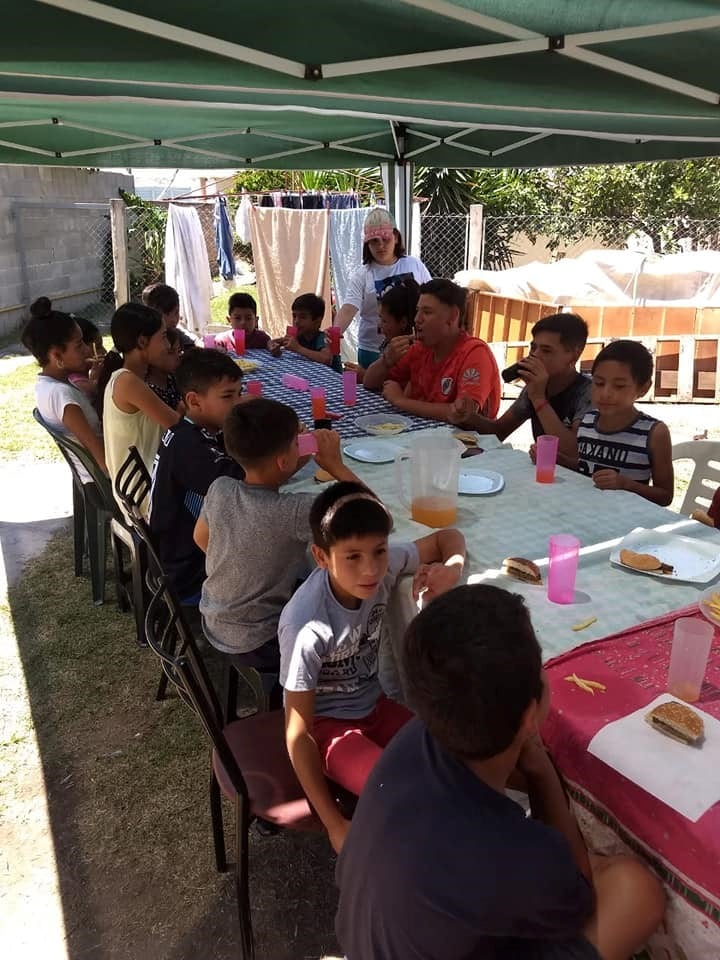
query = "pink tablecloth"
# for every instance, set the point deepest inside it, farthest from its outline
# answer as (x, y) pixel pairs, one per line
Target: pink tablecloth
(633, 665)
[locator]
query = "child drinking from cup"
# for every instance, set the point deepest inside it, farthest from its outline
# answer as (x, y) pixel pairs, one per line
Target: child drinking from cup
(620, 447)
(56, 341)
(308, 339)
(337, 719)
(254, 538)
(242, 315)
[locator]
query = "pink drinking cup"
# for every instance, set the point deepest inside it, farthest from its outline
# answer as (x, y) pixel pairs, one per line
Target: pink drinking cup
(564, 551)
(307, 444)
(546, 448)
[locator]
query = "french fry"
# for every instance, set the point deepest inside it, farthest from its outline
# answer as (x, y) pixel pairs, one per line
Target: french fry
(589, 686)
(584, 624)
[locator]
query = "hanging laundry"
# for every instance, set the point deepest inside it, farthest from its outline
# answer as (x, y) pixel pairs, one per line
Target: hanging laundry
(346, 244)
(187, 265)
(224, 240)
(242, 220)
(290, 250)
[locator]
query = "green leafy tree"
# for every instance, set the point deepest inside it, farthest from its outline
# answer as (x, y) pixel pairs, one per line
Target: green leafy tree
(666, 200)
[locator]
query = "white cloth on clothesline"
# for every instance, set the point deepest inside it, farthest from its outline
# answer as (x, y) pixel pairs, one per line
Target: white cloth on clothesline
(187, 266)
(346, 243)
(242, 220)
(290, 251)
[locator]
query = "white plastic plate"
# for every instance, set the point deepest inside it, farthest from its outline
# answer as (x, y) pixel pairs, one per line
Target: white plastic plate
(372, 451)
(694, 561)
(479, 482)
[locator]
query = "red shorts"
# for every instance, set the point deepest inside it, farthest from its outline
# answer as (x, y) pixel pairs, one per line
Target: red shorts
(350, 748)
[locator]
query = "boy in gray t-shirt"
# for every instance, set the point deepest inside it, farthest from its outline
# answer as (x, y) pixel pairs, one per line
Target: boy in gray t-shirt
(254, 537)
(337, 719)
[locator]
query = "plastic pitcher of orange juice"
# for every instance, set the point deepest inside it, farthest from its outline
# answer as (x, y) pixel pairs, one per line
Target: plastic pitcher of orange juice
(434, 464)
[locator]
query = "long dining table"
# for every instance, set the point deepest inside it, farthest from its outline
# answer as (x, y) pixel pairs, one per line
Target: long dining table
(624, 607)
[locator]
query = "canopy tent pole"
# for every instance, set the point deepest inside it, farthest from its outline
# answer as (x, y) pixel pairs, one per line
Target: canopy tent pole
(397, 177)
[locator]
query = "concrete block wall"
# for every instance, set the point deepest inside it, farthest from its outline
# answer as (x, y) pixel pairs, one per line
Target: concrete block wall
(64, 248)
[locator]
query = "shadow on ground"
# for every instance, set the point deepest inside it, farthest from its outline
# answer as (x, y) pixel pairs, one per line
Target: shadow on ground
(126, 781)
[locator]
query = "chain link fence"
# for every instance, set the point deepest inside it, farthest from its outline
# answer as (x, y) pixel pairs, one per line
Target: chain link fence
(65, 253)
(515, 240)
(444, 242)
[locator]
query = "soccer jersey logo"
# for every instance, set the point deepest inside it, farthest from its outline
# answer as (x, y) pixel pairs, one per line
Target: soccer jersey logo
(471, 375)
(446, 385)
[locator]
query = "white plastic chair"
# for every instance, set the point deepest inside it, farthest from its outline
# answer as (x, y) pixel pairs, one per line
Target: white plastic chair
(705, 476)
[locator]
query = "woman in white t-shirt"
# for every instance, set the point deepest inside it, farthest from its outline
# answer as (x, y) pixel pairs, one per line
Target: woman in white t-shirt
(384, 263)
(56, 342)
(133, 416)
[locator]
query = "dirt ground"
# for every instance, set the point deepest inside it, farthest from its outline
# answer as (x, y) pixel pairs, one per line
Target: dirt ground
(105, 846)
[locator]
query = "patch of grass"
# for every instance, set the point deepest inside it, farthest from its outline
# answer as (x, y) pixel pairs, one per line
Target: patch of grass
(20, 436)
(126, 781)
(218, 305)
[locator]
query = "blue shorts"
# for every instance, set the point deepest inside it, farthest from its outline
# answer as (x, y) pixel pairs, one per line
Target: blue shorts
(366, 357)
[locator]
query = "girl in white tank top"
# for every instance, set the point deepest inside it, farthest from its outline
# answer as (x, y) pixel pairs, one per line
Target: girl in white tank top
(132, 414)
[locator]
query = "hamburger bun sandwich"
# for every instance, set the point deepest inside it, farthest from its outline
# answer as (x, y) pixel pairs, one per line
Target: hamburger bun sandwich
(521, 569)
(645, 562)
(677, 721)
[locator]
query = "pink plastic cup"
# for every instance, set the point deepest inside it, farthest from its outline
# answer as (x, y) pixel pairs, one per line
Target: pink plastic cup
(307, 444)
(546, 448)
(688, 660)
(291, 332)
(239, 341)
(254, 388)
(350, 387)
(334, 334)
(209, 341)
(317, 398)
(564, 551)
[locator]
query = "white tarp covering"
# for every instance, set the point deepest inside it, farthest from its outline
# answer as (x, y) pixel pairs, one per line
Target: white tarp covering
(622, 277)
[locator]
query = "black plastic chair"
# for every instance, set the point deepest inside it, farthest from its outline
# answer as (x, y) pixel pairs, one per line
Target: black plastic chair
(250, 764)
(94, 510)
(132, 487)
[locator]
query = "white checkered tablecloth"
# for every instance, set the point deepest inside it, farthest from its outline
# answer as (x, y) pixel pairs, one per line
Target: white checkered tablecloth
(270, 372)
(518, 522)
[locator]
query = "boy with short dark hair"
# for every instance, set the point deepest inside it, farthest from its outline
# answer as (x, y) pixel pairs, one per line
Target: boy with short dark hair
(191, 456)
(337, 719)
(439, 864)
(620, 447)
(308, 311)
(242, 315)
(254, 537)
(555, 396)
(165, 299)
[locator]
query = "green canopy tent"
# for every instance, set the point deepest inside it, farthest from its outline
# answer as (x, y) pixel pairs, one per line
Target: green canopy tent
(324, 83)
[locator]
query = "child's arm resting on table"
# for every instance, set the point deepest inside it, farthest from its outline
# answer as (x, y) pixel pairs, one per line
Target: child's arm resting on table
(317, 356)
(442, 558)
(305, 758)
(663, 476)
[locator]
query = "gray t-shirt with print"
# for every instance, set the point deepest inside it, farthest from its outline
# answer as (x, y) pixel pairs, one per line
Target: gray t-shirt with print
(332, 650)
(570, 405)
(257, 551)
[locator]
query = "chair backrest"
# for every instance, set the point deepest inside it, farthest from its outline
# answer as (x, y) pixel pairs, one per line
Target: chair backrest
(706, 456)
(73, 452)
(133, 482)
(170, 638)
